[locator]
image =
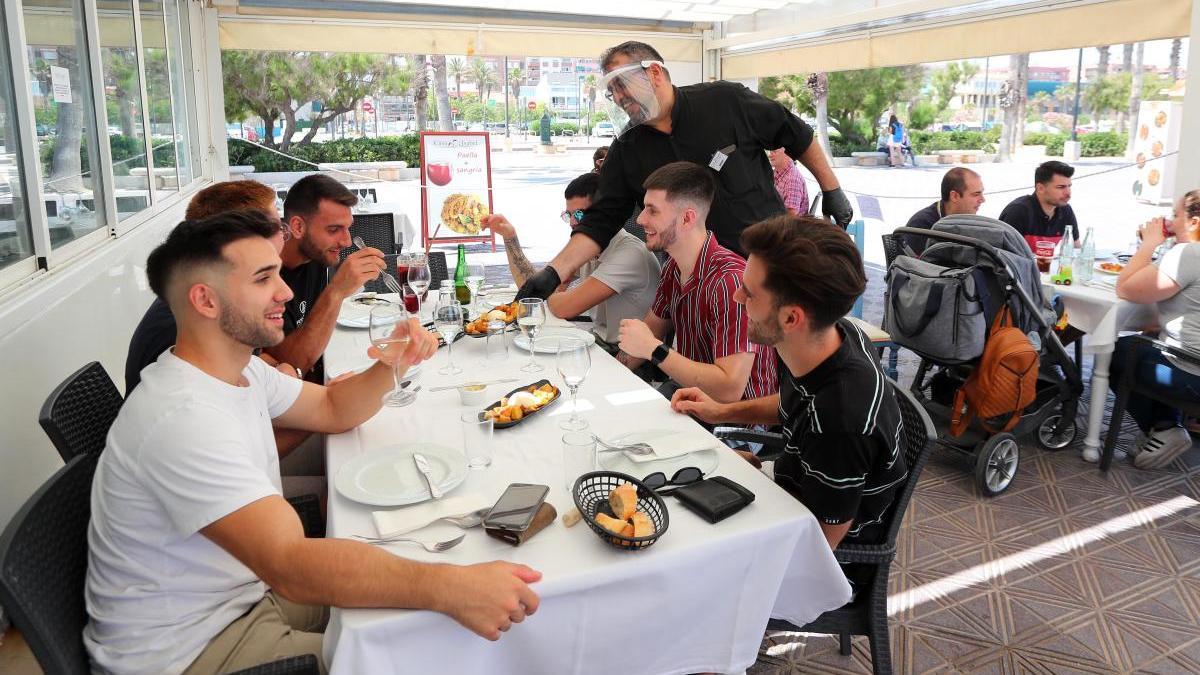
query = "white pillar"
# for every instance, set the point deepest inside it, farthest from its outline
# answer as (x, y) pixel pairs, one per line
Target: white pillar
(1187, 174)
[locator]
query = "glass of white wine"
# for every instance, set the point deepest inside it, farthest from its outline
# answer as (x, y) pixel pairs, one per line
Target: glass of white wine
(418, 276)
(574, 361)
(476, 273)
(448, 321)
(389, 331)
(531, 314)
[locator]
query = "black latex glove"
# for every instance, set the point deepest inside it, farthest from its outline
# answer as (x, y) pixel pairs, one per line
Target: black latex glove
(540, 285)
(835, 204)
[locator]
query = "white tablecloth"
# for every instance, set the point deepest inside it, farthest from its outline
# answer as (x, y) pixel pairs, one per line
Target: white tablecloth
(1096, 310)
(697, 600)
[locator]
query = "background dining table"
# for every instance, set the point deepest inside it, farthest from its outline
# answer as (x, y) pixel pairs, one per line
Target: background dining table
(698, 600)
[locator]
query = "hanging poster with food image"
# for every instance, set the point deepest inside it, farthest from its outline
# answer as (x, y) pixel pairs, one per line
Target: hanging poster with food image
(1154, 147)
(456, 186)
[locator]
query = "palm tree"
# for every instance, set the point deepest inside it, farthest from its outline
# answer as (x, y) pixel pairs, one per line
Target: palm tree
(441, 97)
(515, 78)
(483, 77)
(457, 69)
(1102, 67)
(589, 95)
(1176, 46)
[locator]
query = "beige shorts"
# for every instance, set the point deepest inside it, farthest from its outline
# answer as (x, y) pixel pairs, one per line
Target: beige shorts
(273, 629)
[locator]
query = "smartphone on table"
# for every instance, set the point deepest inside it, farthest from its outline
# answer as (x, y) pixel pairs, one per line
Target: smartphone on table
(515, 509)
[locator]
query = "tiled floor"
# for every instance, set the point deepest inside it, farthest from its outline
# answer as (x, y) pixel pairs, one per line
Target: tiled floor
(1069, 571)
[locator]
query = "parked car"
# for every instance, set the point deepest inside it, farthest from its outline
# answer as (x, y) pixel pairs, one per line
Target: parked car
(604, 129)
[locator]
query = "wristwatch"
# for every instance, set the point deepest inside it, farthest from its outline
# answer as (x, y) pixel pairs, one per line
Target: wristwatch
(660, 354)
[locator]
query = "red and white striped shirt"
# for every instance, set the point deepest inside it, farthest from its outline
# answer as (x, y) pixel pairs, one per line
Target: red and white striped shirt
(709, 325)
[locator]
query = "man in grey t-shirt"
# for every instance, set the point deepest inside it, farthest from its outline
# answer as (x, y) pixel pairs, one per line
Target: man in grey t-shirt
(617, 284)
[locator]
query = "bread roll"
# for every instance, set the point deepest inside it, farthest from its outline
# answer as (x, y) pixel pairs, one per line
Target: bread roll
(642, 525)
(612, 524)
(623, 501)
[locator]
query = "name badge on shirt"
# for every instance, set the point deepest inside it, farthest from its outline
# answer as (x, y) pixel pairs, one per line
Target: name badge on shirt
(720, 157)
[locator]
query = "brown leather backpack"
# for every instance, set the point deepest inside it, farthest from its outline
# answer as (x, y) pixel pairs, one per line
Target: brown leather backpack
(1003, 383)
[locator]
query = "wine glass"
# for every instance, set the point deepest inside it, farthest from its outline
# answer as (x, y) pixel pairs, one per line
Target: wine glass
(475, 276)
(418, 276)
(531, 314)
(574, 361)
(448, 320)
(388, 329)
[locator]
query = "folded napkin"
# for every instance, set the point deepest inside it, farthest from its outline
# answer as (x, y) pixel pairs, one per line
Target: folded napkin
(670, 445)
(417, 516)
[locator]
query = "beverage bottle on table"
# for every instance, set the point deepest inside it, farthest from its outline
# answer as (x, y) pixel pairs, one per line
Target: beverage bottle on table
(461, 292)
(1086, 258)
(1066, 255)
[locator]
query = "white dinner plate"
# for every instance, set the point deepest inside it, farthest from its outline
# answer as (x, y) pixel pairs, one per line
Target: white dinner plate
(1101, 270)
(388, 476)
(548, 339)
(363, 321)
(356, 310)
(706, 460)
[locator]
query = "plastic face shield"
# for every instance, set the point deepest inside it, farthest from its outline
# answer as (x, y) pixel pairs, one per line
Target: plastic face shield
(629, 95)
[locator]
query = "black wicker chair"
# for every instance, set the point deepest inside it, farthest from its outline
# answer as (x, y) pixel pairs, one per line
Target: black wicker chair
(378, 230)
(893, 246)
(438, 272)
(77, 414)
(867, 614)
(43, 569)
(1129, 385)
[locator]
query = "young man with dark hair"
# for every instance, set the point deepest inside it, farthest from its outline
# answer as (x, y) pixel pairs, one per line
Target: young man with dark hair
(719, 124)
(841, 423)
(1045, 214)
(318, 217)
(196, 564)
(618, 284)
(695, 296)
(962, 192)
(155, 333)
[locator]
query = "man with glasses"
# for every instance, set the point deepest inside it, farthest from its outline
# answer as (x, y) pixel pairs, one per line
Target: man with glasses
(617, 284)
(720, 125)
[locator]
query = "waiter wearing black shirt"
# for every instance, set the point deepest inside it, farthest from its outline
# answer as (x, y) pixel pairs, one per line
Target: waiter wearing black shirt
(1044, 214)
(722, 125)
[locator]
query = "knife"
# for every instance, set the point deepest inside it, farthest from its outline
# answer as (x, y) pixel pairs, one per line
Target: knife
(423, 467)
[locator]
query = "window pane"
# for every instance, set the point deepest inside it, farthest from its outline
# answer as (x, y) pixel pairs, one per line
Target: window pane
(177, 61)
(15, 241)
(58, 80)
(158, 93)
(123, 102)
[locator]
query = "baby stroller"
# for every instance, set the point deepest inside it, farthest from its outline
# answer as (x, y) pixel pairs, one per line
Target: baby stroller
(975, 266)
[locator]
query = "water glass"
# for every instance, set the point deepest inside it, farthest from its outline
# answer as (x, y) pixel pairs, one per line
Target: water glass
(475, 277)
(448, 321)
(497, 346)
(388, 330)
(531, 314)
(477, 439)
(578, 457)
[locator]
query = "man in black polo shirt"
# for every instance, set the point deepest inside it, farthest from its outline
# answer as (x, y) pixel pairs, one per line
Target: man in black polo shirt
(721, 125)
(317, 214)
(841, 423)
(962, 192)
(1045, 214)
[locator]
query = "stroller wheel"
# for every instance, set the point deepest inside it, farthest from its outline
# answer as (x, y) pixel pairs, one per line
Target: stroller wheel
(1048, 440)
(996, 464)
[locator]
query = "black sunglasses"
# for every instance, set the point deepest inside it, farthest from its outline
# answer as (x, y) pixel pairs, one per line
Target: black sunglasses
(685, 476)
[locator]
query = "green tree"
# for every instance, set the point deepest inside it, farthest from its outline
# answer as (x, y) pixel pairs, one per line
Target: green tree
(483, 77)
(855, 98)
(946, 80)
(1041, 103)
(457, 69)
(1108, 94)
(253, 87)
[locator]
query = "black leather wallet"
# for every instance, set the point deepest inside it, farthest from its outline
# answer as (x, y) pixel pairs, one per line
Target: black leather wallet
(714, 499)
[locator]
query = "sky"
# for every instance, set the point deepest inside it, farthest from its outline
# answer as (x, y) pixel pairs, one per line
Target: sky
(1158, 53)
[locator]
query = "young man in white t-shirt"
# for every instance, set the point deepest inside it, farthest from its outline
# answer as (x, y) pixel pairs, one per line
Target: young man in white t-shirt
(617, 284)
(196, 562)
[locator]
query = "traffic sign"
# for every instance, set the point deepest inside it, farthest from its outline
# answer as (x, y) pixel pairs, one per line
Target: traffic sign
(367, 107)
(531, 105)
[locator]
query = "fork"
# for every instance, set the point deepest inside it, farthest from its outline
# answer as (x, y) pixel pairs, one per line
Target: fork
(464, 520)
(388, 279)
(431, 546)
(633, 448)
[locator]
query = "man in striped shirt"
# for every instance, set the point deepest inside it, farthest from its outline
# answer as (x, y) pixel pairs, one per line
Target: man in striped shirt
(695, 296)
(841, 424)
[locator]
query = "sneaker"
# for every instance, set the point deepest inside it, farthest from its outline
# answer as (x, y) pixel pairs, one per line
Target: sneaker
(1092, 455)
(1162, 447)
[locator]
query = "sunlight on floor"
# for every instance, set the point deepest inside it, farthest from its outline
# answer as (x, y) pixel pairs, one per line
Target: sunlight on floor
(1073, 541)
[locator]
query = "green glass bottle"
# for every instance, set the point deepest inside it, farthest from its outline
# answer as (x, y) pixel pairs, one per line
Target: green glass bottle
(461, 292)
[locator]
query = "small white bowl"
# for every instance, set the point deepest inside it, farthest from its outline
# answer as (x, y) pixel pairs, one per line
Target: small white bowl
(473, 393)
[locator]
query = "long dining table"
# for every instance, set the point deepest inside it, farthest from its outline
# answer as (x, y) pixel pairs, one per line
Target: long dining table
(698, 600)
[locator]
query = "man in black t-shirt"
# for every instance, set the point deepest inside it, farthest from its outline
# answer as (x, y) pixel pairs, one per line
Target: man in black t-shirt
(841, 423)
(155, 333)
(1045, 214)
(962, 192)
(318, 217)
